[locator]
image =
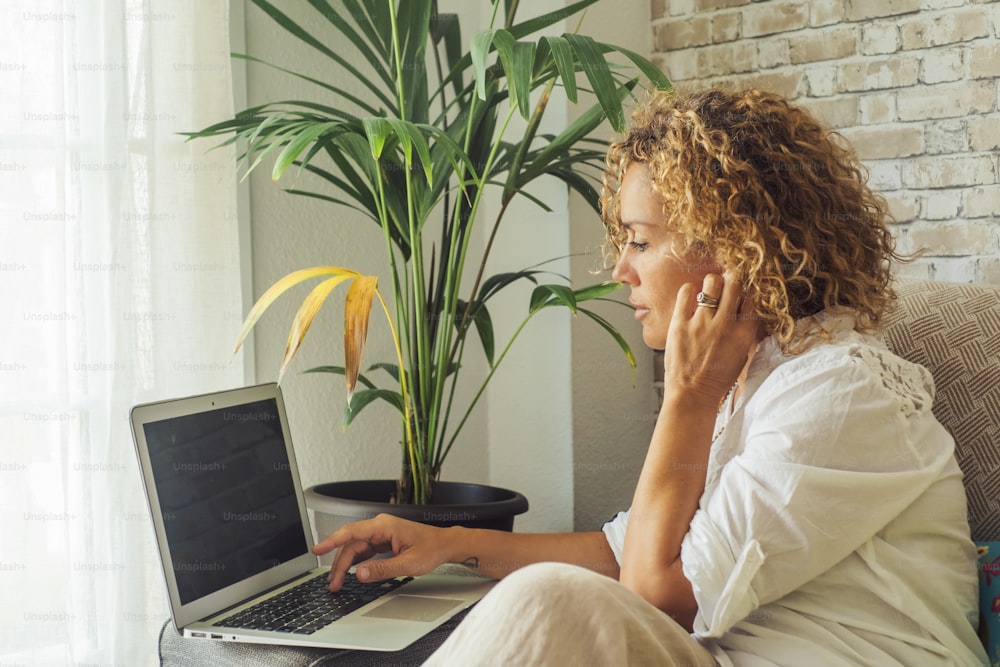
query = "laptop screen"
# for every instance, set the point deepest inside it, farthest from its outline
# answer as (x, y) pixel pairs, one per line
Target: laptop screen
(227, 495)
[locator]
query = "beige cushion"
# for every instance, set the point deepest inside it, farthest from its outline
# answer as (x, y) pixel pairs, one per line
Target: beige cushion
(954, 331)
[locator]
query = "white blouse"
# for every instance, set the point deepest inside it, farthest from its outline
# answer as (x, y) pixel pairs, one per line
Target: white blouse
(832, 529)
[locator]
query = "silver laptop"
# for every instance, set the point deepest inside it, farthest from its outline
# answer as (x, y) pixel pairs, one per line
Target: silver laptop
(234, 537)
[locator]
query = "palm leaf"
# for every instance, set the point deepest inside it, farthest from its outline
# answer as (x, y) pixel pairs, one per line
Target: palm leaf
(361, 399)
(279, 288)
(484, 327)
(357, 313)
(562, 57)
(599, 74)
(544, 296)
(305, 315)
(339, 370)
(481, 43)
(293, 149)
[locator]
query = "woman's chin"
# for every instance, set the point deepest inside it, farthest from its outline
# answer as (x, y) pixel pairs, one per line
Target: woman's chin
(653, 341)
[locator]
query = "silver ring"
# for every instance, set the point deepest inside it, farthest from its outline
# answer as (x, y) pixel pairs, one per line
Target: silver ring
(706, 301)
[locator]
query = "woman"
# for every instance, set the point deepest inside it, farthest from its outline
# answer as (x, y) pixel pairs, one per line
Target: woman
(798, 504)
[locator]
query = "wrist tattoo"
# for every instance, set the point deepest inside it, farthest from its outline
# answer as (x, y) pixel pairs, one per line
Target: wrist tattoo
(472, 562)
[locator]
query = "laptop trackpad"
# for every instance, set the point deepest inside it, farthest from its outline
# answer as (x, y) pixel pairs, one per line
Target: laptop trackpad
(414, 608)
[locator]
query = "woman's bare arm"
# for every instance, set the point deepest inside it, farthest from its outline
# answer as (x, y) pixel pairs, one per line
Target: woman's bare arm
(418, 548)
(497, 554)
(706, 351)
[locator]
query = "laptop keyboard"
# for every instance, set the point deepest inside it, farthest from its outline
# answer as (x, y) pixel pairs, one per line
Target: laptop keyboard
(310, 606)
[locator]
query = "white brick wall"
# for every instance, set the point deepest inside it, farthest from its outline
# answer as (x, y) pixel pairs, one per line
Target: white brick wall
(915, 84)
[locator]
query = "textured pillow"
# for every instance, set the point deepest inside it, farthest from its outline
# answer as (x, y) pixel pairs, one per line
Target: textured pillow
(954, 331)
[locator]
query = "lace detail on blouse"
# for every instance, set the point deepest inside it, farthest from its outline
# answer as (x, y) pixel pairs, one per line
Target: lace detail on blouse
(912, 385)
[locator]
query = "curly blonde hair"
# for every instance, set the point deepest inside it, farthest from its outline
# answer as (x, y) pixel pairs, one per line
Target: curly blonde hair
(772, 194)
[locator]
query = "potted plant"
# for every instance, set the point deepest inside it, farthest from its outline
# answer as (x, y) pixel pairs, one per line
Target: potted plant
(432, 138)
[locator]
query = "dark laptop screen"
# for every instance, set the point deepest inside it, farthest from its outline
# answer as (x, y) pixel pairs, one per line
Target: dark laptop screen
(227, 495)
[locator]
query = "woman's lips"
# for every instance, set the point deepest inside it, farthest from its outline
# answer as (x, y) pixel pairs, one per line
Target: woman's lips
(641, 312)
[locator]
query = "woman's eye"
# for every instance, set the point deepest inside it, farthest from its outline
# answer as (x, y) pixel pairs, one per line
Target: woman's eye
(638, 246)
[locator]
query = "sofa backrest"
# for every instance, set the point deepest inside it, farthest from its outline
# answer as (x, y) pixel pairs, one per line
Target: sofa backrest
(954, 331)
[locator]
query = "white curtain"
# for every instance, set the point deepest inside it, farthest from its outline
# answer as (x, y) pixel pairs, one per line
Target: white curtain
(120, 280)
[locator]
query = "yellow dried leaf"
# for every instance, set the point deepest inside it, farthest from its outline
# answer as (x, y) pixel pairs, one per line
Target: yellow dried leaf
(280, 287)
(357, 313)
(307, 313)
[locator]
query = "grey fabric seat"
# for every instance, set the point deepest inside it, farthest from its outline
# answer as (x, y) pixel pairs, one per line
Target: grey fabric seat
(954, 331)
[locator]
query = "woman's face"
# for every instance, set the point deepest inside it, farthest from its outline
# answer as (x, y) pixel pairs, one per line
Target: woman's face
(647, 264)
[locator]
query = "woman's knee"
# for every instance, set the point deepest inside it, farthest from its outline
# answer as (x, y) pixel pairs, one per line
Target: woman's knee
(554, 585)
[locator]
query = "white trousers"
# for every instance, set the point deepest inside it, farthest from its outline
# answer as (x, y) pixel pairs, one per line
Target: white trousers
(554, 614)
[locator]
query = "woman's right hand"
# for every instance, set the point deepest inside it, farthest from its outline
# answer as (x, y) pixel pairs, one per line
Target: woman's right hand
(417, 549)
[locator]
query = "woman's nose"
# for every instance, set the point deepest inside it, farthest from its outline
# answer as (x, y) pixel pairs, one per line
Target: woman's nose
(621, 272)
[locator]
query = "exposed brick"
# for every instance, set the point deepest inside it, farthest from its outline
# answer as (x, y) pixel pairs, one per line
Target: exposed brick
(712, 5)
(946, 136)
(772, 52)
(984, 133)
(983, 202)
(879, 38)
(837, 43)
(822, 80)
(682, 34)
(878, 74)
(884, 175)
(725, 59)
(825, 12)
(984, 61)
(877, 108)
(772, 17)
(836, 112)
(941, 65)
(788, 84)
(995, 18)
(919, 270)
(657, 9)
(660, 61)
(945, 100)
(953, 239)
(878, 142)
(988, 270)
(904, 206)
(952, 269)
(941, 204)
(725, 27)
(948, 28)
(860, 10)
(678, 65)
(681, 7)
(948, 172)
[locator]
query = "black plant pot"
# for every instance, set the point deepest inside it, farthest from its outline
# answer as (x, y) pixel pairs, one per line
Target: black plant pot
(455, 504)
